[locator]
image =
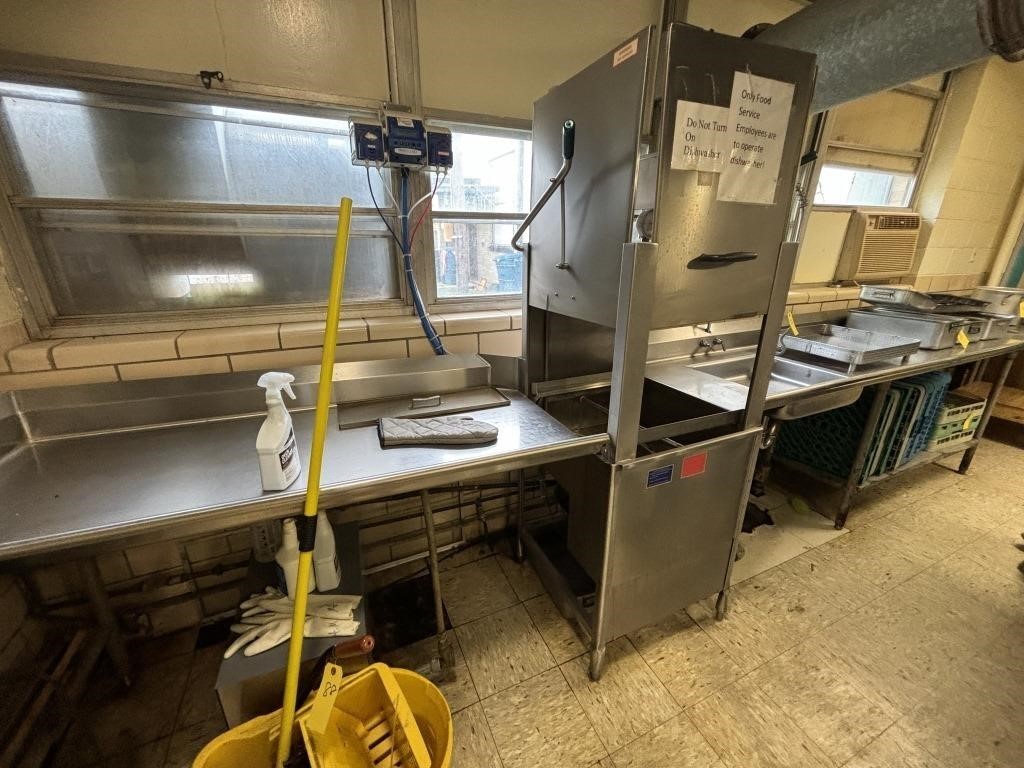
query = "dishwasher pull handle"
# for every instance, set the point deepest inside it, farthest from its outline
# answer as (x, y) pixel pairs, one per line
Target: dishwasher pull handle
(556, 185)
(713, 260)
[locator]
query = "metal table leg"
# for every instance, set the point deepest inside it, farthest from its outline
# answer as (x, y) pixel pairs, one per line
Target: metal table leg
(853, 479)
(990, 404)
(105, 616)
(520, 515)
(445, 651)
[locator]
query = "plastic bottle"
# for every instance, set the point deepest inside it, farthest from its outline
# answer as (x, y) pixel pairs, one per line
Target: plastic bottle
(287, 559)
(275, 444)
(325, 555)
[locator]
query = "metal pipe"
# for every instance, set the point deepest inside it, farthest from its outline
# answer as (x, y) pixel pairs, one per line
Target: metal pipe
(866, 46)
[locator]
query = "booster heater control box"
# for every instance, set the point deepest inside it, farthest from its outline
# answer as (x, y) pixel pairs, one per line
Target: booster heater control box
(367, 140)
(405, 140)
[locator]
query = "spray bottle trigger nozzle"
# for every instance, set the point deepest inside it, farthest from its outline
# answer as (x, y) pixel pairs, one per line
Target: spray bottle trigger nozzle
(288, 390)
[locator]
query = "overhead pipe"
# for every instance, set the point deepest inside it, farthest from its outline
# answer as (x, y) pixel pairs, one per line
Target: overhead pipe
(867, 46)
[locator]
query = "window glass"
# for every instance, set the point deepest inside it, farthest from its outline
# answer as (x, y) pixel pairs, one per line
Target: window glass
(473, 255)
(475, 258)
(187, 153)
(491, 174)
(105, 152)
(104, 262)
(839, 185)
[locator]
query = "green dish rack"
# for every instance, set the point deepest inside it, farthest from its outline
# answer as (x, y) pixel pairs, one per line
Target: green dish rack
(957, 420)
(828, 441)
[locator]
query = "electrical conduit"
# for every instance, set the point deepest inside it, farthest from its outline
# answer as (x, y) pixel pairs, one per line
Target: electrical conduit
(410, 278)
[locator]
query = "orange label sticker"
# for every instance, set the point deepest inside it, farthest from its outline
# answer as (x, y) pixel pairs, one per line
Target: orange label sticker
(694, 465)
(626, 52)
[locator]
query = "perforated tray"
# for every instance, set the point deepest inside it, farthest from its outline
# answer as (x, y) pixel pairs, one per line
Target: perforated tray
(849, 345)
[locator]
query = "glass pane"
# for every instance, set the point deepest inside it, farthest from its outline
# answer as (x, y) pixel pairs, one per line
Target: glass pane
(475, 258)
(180, 152)
(839, 185)
(491, 175)
(102, 262)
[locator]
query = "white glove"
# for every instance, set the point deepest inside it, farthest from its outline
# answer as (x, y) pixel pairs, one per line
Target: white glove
(274, 602)
(263, 637)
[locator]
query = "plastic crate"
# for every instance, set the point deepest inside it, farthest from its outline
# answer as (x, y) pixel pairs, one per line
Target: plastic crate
(950, 440)
(826, 441)
(937, 385)
(958, 407)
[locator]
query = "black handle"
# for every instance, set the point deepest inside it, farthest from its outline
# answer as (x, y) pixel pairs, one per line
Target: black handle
(568, 139)
(712, 260)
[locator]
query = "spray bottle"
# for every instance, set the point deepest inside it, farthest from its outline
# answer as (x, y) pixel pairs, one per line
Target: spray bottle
(275, 444)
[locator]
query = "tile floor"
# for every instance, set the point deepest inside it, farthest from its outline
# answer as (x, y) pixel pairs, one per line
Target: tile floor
(899, 644)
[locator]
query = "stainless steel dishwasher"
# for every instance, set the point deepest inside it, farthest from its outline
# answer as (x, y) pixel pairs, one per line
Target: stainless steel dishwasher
(674, 172)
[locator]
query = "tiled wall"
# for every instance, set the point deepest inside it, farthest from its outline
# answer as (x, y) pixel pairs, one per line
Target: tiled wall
(58, 362)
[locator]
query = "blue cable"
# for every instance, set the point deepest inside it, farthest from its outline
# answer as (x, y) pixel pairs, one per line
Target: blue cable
(410, 278)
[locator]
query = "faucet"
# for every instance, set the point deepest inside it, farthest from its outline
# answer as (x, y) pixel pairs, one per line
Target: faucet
(710, 344)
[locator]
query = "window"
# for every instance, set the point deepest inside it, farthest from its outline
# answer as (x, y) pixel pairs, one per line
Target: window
(840, 185)
(478, 207)
(138, 205)
(876, 146)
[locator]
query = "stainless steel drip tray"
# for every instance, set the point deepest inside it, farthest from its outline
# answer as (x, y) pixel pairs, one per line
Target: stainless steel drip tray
(418, 406)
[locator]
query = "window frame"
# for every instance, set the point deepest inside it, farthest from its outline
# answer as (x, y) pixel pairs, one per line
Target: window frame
(922, 156)
(21, 251)
(479, 124)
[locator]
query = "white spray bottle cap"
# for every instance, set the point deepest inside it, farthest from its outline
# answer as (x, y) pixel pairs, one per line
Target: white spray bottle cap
(274, 382)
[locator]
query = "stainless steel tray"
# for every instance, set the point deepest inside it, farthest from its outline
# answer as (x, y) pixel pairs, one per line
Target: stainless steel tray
(849, 345)
(934, 331)
(904, 298)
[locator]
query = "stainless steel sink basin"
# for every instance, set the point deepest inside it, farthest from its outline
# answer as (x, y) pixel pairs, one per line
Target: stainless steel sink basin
(786, 376)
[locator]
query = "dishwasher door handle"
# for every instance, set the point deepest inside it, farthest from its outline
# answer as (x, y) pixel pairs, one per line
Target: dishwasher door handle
(713, 260)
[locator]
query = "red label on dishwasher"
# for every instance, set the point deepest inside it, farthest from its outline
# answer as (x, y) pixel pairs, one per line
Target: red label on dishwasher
(694, 465)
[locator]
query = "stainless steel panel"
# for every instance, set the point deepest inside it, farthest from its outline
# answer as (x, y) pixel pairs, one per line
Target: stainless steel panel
(606, 102)
(673, 541)
(632, 329)
(689, 219)
(58, 411)
(400, 377)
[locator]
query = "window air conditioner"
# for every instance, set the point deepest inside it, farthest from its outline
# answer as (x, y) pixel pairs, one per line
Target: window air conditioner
(879, 246)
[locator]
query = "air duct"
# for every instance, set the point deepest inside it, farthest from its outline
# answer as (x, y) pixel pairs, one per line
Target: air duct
(866, 46)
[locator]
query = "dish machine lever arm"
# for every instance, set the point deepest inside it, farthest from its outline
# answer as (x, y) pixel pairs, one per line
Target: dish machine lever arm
(568, 148)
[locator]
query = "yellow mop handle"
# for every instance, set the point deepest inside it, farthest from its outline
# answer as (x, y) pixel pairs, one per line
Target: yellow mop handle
(323, 407)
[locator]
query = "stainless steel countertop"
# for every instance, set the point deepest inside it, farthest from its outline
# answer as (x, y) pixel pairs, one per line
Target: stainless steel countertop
(193, 478)
(922, 361)
(687, 373)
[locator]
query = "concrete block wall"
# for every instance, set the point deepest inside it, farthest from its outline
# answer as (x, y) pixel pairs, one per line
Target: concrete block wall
(974, 178)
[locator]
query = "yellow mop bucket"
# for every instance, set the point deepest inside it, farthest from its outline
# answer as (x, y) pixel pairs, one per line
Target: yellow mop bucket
(362, 704)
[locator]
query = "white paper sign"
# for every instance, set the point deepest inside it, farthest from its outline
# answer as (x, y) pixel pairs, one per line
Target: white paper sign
(758, 118)
(700, 141)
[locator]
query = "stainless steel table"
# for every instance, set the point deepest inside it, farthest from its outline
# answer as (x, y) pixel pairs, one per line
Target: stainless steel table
(81, 492)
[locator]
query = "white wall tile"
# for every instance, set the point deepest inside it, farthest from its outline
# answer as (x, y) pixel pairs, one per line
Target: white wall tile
(167, 368)
(109, 350)
(221, 341)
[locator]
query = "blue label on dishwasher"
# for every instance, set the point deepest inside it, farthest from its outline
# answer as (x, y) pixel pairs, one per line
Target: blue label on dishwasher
(660, 476)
